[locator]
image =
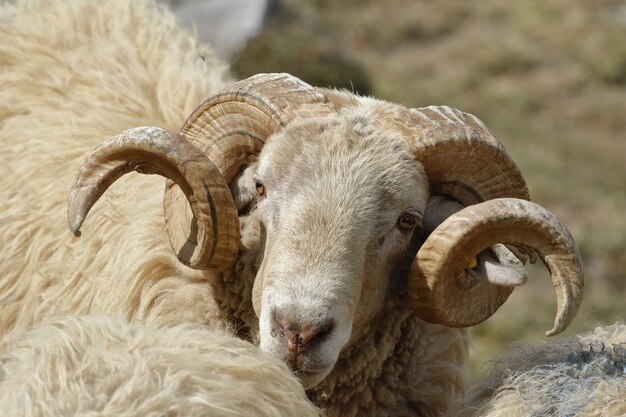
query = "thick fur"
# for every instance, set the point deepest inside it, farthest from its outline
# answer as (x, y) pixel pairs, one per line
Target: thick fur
(582, 376)
(402, 366)
(97, 366)
(71, 75)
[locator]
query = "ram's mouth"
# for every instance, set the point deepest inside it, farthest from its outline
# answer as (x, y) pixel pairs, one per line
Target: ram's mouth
(311, 364)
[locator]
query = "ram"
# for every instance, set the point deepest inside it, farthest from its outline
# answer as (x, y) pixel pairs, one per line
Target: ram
(584, 375)
(341, 187)
(295, 213)
(96, 365)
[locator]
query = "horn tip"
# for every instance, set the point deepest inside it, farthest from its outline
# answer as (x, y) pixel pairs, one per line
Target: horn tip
(553, 332)
(75, 217)
(558, 328)
(75, 225)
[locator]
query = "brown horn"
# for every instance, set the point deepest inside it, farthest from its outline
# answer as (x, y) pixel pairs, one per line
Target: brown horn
(461, 157)
(214, 238)
(444, 291)
(231, 128)
(464, 160)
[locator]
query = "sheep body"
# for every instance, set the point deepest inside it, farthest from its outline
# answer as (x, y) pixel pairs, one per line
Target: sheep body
(581, 376)
(62, 91)
(108, 367)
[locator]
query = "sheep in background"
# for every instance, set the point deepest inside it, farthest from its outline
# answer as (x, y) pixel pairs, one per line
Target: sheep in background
(298, 209)
(583, 376)
(94, 365)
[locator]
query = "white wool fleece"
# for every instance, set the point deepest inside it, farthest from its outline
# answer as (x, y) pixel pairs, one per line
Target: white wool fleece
(98, 366)
(74, 73)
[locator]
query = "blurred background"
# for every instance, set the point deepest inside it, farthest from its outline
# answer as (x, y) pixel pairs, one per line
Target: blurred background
(547, 76)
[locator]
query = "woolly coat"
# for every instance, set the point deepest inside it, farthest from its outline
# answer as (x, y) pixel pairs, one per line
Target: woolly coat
(584, 376)
(73, 74)
(98, 366)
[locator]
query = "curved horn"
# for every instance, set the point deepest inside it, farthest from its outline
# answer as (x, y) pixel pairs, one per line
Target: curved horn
(231, 128)
(461, 157)
(214, 237)
(443, 289)
(464, 161)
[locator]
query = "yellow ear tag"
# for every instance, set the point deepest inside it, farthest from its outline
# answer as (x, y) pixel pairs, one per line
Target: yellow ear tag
(473, 263)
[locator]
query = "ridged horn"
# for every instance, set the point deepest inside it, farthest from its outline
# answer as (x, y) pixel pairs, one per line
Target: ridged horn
(213, 240)
(442, 288)
(464, 161)
(461, 157)
(232, 126)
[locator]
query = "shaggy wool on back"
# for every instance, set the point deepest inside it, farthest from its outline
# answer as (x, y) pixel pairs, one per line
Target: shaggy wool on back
(96, 367)
(584, 376)
(72, 74)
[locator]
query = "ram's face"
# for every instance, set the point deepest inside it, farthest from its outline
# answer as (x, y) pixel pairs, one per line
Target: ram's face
(339, 203)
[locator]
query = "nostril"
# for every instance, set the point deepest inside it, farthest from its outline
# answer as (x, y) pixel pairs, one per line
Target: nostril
(307, 335)
(291, 333)
(297, 335)
(316, 334)
(325, 329)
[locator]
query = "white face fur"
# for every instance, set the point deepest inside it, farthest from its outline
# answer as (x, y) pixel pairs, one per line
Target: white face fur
(339, 201)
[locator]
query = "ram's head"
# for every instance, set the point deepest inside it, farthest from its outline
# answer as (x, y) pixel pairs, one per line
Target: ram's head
(347, 189)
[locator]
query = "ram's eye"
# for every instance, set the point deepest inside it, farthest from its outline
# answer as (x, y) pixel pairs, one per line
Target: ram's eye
(260, 188)
(406, 221)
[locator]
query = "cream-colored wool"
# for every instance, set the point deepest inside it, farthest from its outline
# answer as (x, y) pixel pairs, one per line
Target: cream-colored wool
(97, 366)
(73, 73)
(584, 376)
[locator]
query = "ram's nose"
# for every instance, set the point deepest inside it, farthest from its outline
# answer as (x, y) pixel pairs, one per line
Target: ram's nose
(300, 336)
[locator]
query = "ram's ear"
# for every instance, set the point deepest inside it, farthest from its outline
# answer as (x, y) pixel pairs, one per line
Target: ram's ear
(243, 189)
(499, 266)
(496, 264)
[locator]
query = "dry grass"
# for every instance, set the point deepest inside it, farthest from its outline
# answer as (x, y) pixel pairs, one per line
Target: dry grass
(548, 77)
